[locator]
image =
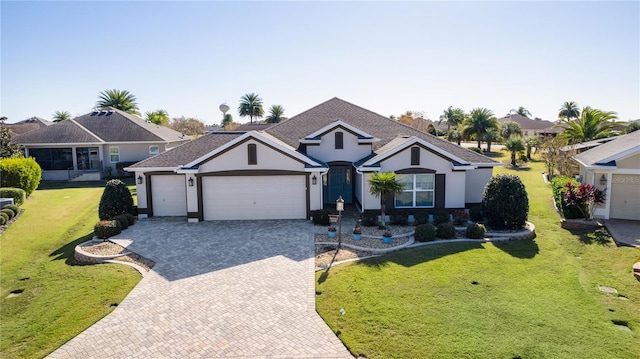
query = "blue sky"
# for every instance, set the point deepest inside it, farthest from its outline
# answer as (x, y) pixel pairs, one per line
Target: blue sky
(389, 57)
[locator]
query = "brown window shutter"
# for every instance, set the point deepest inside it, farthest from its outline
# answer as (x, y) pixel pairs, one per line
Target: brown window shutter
(415, 156)
(252, 154)
(440, 190)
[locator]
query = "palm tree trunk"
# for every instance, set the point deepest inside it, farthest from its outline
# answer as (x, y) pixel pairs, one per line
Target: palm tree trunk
(488, 146)
(383, 209)
(513, 158)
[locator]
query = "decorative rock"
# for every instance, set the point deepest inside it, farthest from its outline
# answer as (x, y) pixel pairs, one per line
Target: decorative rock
(606, 289)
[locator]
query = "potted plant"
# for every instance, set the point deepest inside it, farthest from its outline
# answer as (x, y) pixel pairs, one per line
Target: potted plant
(332, 231)
(387, 236)
(357, 233)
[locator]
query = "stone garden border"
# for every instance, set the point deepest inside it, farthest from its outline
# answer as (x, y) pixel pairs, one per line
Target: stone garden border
(83, 256)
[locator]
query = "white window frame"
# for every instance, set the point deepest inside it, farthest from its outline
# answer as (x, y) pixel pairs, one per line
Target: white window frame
(414, 191)
(157, 150)
(114, 153)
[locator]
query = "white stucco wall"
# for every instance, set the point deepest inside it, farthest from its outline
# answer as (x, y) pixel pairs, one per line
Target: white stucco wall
(475, 182)
(455, 193)
(428, 160)
(631, 162)
(327, 151)
(236, 159)
(141, 192)
(315, 191)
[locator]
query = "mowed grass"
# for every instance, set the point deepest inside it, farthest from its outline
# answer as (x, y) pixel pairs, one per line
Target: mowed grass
(531, 299)
(60, 298)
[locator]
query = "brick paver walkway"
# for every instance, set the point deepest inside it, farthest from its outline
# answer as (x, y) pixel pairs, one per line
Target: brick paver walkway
(218, 290)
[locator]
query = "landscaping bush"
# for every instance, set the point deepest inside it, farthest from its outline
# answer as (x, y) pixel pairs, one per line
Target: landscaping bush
(559, 189)
(400, 219)
(8, 212)
(18, 194)
(20, 172)
(476, 149)
(505, 203)
(131, 218)
(5, 217)
(370, 218)
(124, 222)
(3, 220)
(425, 233)
(421, 218)
(120, 166)
(106, 228)
(446, 231)
(320, 217)
(476, 231)
(460, 217)
(116, 199)
(475, 213)
(441, 216)
(12, 207)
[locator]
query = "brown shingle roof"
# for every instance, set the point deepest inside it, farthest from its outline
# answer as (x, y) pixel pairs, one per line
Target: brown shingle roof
(27, 125)
(62, 132)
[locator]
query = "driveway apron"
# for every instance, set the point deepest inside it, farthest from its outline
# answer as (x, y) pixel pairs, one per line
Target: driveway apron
(218, 290)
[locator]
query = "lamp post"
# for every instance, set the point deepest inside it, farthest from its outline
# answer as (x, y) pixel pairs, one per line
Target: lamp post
(340, 208)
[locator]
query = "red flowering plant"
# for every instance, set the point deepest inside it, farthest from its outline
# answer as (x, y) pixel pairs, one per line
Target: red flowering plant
(585, 198)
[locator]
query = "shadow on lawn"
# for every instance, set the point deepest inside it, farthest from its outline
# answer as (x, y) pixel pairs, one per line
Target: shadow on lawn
(524, 249)
(599, 236)
(67, 251)
(411, 257)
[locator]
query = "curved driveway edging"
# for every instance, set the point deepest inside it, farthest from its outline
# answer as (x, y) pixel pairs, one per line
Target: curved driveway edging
(83, 256)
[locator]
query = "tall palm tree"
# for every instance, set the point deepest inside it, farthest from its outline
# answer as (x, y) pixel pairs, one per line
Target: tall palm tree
(522, 111)
(514, 144)
(61, 116)
(121, 99)
(276, 114)
(510, 128)
(250, 105)
(569, 110)
(591, 125)
(381, 185)
(452, 116)
(478, 122)
(159, 117)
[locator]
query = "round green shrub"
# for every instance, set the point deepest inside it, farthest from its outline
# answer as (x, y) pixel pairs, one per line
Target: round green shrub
(20, 172)
(421, 218)
(446, 231)
(400, 219)
(4, 218)
(12, 207)
(425, 232)
(476, 149)
(116, 199)
(441, 216)
(505, 203)
(8, 212)
(18, 194)
(475, 213)
(124, 222)
(131, 218)
(476, 231)
(106, 228)
(320, 217)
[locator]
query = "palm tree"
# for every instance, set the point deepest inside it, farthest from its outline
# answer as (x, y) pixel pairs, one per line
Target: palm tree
(510, 128)
(478, 122)
(381, 185)
(227, 120)
(514, 144)
(633, 126)
(490, 136)
(452, 116)
(276, 113)
(569, 110)
(522, 112)
(591, 125)
(250, 105)
(529, 143)
(454, 135)
(61, 116)
(159, 117)
(121, 99)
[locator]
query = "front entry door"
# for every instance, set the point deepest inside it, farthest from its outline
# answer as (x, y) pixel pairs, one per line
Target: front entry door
(339, 183)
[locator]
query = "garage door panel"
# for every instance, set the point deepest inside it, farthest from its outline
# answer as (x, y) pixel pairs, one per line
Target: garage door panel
(169, 196)
(258, 197)
(625, 197)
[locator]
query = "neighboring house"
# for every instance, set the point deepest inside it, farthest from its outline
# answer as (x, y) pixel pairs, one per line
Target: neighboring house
(245, 127)
(584, 146)
(305, 164)
(27, 125)
(531, 128)
(86, 147)
(614, 167)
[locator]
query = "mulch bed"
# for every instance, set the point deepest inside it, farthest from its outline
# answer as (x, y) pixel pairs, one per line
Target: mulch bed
(108, 248)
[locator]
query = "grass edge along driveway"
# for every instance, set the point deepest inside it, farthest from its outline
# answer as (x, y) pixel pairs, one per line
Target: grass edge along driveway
(532, 299)
(60, 299)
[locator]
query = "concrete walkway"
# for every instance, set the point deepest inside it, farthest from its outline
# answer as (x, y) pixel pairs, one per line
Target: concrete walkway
(218, 290)
(624, 231)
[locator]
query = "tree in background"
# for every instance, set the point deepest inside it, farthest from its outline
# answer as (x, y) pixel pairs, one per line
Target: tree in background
(454, 135)
(251, 105)
(452, 117)
(121, 99)
(159, 117)
(61, 116)
(633, 126)
(227, 120)
(591, 125)
(478, 122)
(276, 114)
(188, 126)
(522, 112)
(529, 143)
(381, 185)
(569, 110)
(8, 148)
(514, 145)
(510, 128)
(492, 135)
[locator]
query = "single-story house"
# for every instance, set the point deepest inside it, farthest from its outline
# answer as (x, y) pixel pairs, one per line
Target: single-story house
(27, 125)
(614, 167)
(306, 163)
(92, 145)
(532, 128)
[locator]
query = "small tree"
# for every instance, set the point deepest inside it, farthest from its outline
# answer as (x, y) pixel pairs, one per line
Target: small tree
(24, 173)
(382, 185)
(529, 143)
(584, 197)
(116, 199)
(514, 144)
(8, 148)
(505, 203)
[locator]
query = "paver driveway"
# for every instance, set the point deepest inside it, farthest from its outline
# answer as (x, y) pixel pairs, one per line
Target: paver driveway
(218, 290)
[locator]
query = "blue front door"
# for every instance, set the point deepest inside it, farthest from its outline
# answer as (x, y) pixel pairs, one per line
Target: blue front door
(339, 183)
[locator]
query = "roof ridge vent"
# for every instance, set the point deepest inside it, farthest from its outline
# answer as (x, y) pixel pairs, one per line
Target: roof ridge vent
(94, 113)
(110, 112)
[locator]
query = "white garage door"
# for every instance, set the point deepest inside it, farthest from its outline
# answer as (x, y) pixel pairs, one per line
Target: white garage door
(625, 197)
(254, 197)
(168, 196)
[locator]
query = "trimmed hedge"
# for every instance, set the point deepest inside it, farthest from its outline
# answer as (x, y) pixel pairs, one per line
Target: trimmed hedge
(8, 212)
(106, 229)
(124, 222)
(4, 218)
(505, 203)
(18, 194)
(441, 216)
(116, 199)
(22, 173)
(131, 218)
(559, 188)
(476, 231)
(12, 207)
(400, 218)
(421, 218)
(446, 231)
(475, 213)
(425, 233)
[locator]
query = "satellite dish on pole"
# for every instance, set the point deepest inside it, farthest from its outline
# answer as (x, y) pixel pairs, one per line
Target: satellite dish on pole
(224, 108)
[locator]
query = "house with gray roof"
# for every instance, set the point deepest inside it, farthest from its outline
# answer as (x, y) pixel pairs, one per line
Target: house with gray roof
(532, 128)
(614, 167)
(95, 144)
(27, 125)
(306, 163)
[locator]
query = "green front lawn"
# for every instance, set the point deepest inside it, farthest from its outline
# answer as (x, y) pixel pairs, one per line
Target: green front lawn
(60, 299)
(531, 299)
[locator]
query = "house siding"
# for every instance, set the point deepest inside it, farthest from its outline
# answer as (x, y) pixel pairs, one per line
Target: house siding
(352, 151)
(475, 181)
(236, 159)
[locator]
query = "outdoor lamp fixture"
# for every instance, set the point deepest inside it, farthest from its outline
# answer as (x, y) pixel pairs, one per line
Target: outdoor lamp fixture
(314, 180)
(190, 180)
(340, 204)
(139, 179)
(603, 180)
(340, 208)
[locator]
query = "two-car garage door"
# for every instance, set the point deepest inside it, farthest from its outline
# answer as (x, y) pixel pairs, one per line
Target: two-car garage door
(254, 197)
